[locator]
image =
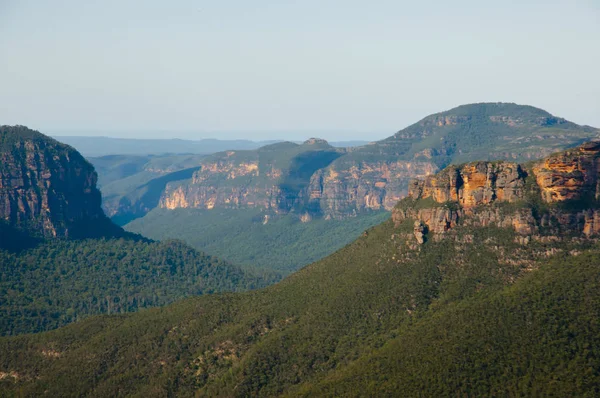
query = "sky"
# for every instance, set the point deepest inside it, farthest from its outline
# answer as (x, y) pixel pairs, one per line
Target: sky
(262, 69)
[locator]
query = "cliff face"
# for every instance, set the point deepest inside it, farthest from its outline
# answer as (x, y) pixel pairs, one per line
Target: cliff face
(571, 175)
(274, 177)
(47, 189)
(338, 184)
(223, 182)
(346, 190)
(473, 184)
(557, 195)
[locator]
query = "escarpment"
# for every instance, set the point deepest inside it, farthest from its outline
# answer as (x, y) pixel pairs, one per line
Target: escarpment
(317, 180)
(274, 177)
(47, 189)
(555, 196)
(343, 190)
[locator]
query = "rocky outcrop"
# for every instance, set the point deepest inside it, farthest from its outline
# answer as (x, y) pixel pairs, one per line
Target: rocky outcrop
(327, 192)
(344, 191)
(274, 177)
(473, 184)
(420, 230)
(345, 183)
(557, 195)
(47, 189)
(226, 183)
(570, 175)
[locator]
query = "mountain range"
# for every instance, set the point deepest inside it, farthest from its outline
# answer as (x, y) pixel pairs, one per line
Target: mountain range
(97, 146)
(238, 202)
(483, 282)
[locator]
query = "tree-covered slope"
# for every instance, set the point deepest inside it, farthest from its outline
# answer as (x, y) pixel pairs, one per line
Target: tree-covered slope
(475, 299)
(220, 208)
(539, 337)
(254, 239)
(483, 131)
(59, 282)
(484, 282)
(53, 273)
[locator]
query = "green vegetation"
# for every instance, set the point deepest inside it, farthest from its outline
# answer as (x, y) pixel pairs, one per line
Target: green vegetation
(10, 136)
(58, 282)
(117, 167)
(13, 137)
(62, 259)
(484, 131)
(537, 338)
(473, 314)
(282, 245)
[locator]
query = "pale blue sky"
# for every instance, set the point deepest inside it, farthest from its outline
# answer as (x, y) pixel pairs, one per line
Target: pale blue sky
(261, 69)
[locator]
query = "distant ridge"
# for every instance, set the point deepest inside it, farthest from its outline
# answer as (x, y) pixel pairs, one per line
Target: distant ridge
(373, 176)
(94, 146)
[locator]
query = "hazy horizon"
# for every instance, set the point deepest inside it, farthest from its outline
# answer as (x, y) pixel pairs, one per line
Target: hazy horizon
(284, 70)
(221, 135)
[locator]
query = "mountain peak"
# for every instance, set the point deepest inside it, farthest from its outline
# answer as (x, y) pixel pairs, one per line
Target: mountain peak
(496, 109)
(315, 141)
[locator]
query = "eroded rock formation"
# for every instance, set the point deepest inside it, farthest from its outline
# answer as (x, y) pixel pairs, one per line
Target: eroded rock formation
(317, 179)
(558, 195)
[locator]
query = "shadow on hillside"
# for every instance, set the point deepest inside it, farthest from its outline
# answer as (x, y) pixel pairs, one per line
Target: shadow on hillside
(301, 169)
(14, 240)
(147, 196)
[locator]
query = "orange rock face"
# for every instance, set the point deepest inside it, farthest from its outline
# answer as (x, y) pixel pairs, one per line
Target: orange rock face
(568, 176)
(473, 184)
(591, 224)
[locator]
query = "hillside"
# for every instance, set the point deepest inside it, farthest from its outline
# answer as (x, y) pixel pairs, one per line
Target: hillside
(254, 239)
(59, 282)
(122, 173)
(316, 180)
(377, 175)
(484, 282)
(310, 185)
(53, 272)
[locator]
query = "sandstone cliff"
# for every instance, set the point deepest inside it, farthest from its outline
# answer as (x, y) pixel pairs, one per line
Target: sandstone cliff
(555, 196)
(274, 177)
(346, 190)
(47, 189)
(314, 180)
